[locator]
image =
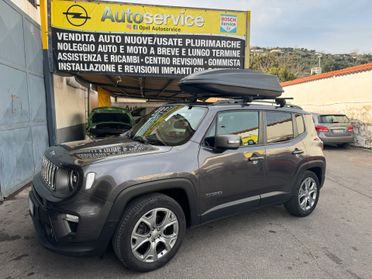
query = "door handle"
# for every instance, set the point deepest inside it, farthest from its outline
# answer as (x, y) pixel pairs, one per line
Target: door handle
(297, 151)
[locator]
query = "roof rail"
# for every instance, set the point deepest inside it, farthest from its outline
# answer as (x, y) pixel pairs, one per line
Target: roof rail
(281, 102)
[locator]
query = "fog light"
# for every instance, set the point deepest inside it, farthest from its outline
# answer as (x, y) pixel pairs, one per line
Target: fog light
(72, 218)
(90, 180)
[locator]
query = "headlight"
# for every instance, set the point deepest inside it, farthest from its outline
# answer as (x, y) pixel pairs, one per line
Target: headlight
(67, 182)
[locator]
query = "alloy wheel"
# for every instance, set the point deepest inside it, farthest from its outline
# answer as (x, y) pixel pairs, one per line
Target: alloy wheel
(307, 193)
(154, 235)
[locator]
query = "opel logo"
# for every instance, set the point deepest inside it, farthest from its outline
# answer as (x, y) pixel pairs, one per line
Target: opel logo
(76, 15)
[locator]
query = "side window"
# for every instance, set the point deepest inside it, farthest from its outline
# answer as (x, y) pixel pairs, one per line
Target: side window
(300, 124)
(242, 123)
(279, 126)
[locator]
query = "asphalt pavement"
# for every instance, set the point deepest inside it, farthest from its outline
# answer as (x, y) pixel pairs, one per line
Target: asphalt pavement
(334, 242)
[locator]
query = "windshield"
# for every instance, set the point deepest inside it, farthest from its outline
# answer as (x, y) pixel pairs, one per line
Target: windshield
(168, 125)
(333, 118)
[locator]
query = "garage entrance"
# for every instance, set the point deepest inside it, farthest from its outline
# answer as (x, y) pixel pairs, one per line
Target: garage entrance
(151, 88)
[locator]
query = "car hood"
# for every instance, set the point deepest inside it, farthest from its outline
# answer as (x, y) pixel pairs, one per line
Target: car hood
(90, 150)
(110, 122)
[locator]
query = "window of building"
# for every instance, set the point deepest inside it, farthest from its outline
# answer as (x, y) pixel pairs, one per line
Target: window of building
(279, 126)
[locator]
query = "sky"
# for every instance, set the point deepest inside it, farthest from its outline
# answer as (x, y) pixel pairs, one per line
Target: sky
(332, 26)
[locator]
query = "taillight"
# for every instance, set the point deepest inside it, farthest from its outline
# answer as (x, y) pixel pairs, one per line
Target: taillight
(350, 128)
(321, 128)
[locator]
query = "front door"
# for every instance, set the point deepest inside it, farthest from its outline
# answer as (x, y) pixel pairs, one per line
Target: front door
(230, 180)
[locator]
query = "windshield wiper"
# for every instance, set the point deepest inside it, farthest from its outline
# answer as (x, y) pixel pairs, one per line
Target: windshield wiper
(140, 139)
(154, 141)
(148, 140)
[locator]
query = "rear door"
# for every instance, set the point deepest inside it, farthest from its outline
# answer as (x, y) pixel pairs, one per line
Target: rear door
(230, 180)
(284, 152)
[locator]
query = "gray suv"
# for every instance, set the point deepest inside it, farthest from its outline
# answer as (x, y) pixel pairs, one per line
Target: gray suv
(334, 129)
(180, 166)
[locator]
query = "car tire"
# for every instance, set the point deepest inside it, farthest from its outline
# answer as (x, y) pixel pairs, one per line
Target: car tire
(305, 195)
(142, 221)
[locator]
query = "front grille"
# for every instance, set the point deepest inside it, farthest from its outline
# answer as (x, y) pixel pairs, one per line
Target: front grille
(48, 173)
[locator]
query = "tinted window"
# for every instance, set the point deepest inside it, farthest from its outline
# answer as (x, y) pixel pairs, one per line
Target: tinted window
(333, 118)
(300, 124)
(279, 126)
(242, 123)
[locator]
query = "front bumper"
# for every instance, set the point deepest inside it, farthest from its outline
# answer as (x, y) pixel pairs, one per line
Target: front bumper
(57, 234)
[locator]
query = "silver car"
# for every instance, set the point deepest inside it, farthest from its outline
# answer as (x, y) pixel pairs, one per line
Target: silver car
(334, 129)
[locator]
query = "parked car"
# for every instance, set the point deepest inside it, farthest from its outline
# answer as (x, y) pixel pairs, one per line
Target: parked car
(105, 121)
(334, 129)
(180, 166)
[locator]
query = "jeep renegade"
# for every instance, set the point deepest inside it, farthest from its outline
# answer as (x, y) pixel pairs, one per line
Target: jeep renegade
(180, 166)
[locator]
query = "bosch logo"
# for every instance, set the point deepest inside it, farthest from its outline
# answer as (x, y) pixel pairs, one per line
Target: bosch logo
(228, 23)
(76, 15)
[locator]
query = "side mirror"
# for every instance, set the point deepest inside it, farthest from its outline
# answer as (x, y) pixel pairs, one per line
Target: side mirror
(227, 142)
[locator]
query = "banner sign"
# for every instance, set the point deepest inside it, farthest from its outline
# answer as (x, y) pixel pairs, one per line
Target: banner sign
(131, 39)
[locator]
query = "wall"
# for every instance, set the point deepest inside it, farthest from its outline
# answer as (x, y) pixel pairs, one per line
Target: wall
(71, 108)
(349, 94)
(104, 97)
(23, 127)
(30, 10)
(133, 104)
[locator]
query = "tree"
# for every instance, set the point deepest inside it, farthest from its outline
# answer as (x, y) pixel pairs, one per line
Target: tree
(276, 64)
(282, 72)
